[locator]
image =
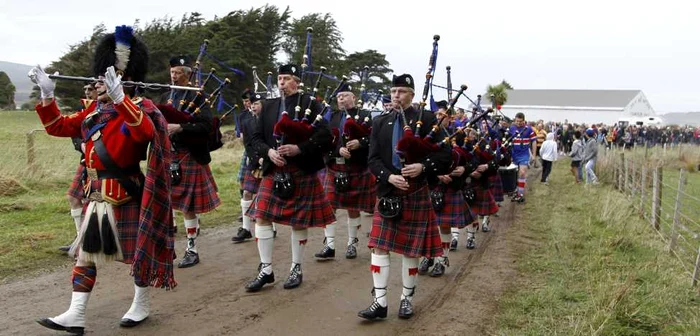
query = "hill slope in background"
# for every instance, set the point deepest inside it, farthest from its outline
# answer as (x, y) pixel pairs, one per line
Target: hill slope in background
(18, 75)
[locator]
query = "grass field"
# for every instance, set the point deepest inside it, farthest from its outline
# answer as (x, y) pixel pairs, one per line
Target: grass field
(594, 268)
(34, 212)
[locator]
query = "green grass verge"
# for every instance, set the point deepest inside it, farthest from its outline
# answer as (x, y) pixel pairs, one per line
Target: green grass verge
(595, 268)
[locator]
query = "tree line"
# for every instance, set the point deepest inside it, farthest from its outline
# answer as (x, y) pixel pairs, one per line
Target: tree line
(240, 39)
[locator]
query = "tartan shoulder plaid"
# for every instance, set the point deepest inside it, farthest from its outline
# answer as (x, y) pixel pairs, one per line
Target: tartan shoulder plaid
(155, 246)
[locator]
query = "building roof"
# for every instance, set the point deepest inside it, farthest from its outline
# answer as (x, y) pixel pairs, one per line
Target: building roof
(569, 98)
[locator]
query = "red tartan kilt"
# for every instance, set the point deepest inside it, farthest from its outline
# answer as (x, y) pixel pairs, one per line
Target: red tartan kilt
(362, 195)
(197, 191)
(127, 218)
(496, 187)
(250, 183)
(455, 212)
(484, 204)
(307, 208)
(414, 234)
(76, 187)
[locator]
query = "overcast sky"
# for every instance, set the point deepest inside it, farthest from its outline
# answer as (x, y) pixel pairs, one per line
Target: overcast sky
(533, 44)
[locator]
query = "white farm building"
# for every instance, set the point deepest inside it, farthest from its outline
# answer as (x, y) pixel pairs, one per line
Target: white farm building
(579, 106)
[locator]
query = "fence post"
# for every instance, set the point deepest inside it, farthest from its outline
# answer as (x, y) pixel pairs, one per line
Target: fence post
(31, 155)
(633, 187)
(642, 189)
(625, 185)
(621, 176)
(697, 270)
(656, 198)
(677, 211)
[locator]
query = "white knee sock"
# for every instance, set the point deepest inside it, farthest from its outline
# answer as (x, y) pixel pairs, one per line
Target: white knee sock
(409, 275)
(191, 227)
(455, 233)
(329, 231)
(446, 239)
(299, 238)
(77, 215)
(247, 221)
(264, 236)
(140, 306)
(471, 229)
(380, 276)
(353, 227)
(75, 315)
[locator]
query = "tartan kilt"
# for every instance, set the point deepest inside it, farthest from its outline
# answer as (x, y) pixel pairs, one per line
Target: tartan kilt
(362, 195)
(250, 183)
(496, 187)
(197, 191)
(455, 213)
(413, 234)
(127, 218)
(484, 204)
(308, 206)
(76, 187)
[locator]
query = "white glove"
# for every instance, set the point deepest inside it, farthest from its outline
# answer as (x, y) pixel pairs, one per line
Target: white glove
(41, 79)
(114, 85)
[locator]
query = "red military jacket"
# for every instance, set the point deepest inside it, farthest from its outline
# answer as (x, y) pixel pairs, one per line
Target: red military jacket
(125, 137)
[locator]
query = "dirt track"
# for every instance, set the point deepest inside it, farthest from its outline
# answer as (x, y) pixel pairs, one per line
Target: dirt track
(211, 300)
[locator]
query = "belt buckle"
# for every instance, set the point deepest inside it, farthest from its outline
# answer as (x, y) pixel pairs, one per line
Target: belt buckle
(92, 173)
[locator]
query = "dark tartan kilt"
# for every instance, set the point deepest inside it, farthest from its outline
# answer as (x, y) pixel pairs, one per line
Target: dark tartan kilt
(250, 183)
(455, 212)
(322, 175)
(76, 187)
(197, 191)
(362, 195)
(413, 234)
(496, 187)
(127, 218)
(307, 208)
(484, 204)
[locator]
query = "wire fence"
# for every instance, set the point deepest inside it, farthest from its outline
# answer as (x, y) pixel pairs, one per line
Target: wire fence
(665, 191)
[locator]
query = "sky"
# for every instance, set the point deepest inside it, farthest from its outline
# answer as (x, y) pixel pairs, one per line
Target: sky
(652, 46)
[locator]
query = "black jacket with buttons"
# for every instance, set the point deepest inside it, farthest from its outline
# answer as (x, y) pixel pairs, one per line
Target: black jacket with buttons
(358, 157)
(194, 134)
(381, 149)
(310, 160)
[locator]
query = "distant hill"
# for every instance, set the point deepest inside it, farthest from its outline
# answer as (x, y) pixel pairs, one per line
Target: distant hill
(18, 76)
(681, 118)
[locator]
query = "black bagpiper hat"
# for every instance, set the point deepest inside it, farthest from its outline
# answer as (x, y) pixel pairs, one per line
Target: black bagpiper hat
(255, 97)
(404, 80)
(181, 60)
(289, 69)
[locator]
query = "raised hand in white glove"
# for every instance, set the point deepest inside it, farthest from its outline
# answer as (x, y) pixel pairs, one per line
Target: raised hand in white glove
(41, 79)
(113, 83)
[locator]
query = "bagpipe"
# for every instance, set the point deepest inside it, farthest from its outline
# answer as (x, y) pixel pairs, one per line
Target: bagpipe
(186, 111)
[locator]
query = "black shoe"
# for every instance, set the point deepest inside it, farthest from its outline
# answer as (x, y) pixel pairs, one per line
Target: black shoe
(190, 259)
(373, 312)
(425, 265)
(406, 307)
(326, 253)
(295, 278)
(453, 244)
(470, 243)
(65, 248)
(261, 280)
(439, 268)
(274, 234)
(242, 235)
(129, 323)
(518, 199)
(46, 322)
(351, 252)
